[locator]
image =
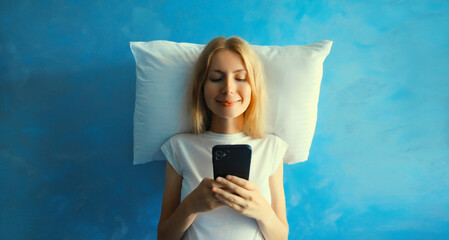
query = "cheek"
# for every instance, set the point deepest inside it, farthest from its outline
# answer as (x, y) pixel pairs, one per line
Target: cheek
(208, 95)
(207, 92)
(247, 93)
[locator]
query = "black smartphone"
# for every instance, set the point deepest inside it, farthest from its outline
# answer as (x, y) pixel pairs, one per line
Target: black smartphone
(231, 160)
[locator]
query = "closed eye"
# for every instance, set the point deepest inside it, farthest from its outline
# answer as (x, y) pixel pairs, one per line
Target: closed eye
(215, 79)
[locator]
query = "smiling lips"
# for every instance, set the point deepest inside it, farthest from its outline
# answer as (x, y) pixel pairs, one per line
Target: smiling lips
(228, 103)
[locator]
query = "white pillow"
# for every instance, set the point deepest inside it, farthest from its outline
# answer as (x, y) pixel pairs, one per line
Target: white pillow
(293, 78)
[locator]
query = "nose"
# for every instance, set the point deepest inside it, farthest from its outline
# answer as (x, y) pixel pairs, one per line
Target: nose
(229, 86)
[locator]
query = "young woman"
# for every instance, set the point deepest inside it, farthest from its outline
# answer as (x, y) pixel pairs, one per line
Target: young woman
(227, 106)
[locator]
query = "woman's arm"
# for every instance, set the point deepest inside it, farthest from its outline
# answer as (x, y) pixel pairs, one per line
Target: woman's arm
(245, 197)
(275, 225)
(177, 217)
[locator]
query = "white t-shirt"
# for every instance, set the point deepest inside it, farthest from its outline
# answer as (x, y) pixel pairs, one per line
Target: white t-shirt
(191, 157)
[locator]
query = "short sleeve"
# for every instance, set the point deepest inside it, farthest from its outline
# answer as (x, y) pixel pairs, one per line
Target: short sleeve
(280, 148)
(168, 148)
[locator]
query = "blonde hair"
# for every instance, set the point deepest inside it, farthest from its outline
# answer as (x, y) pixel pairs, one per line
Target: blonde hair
(253, 117)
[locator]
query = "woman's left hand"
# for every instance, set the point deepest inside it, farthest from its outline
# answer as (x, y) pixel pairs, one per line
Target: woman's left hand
(243, 196)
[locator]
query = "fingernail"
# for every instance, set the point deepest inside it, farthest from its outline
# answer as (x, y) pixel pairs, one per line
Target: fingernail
(228, 177)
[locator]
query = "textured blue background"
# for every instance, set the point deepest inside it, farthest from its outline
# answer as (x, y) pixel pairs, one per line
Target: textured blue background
(379, 162)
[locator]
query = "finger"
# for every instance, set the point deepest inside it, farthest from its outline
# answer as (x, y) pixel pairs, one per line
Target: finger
(207, 181)
(241, 182)
(234, 188)
(229, 203)
(217, 184)
(234, 199)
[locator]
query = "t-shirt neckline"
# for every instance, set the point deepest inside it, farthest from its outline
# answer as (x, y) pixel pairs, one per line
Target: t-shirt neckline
(222, 136)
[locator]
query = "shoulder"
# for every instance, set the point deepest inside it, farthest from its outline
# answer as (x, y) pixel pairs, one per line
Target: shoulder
(181, 138)
(185, 135)
(277, 144)
(274, 139)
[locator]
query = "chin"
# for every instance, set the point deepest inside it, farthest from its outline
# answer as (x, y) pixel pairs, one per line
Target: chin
(228, 115)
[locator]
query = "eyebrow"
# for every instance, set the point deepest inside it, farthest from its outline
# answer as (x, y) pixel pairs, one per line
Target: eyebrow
(239, 70)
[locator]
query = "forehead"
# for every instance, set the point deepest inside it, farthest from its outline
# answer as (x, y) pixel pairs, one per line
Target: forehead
(226, 60)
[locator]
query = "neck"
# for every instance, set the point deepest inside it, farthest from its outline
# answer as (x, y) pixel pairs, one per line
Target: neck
(226, 125)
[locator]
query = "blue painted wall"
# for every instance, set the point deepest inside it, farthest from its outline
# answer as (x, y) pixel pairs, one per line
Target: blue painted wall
(379, 163)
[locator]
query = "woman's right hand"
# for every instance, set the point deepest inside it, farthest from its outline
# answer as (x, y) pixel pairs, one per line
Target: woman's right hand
(202, 199)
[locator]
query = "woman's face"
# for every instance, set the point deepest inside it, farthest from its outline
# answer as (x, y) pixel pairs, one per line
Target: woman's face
(226, 91)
